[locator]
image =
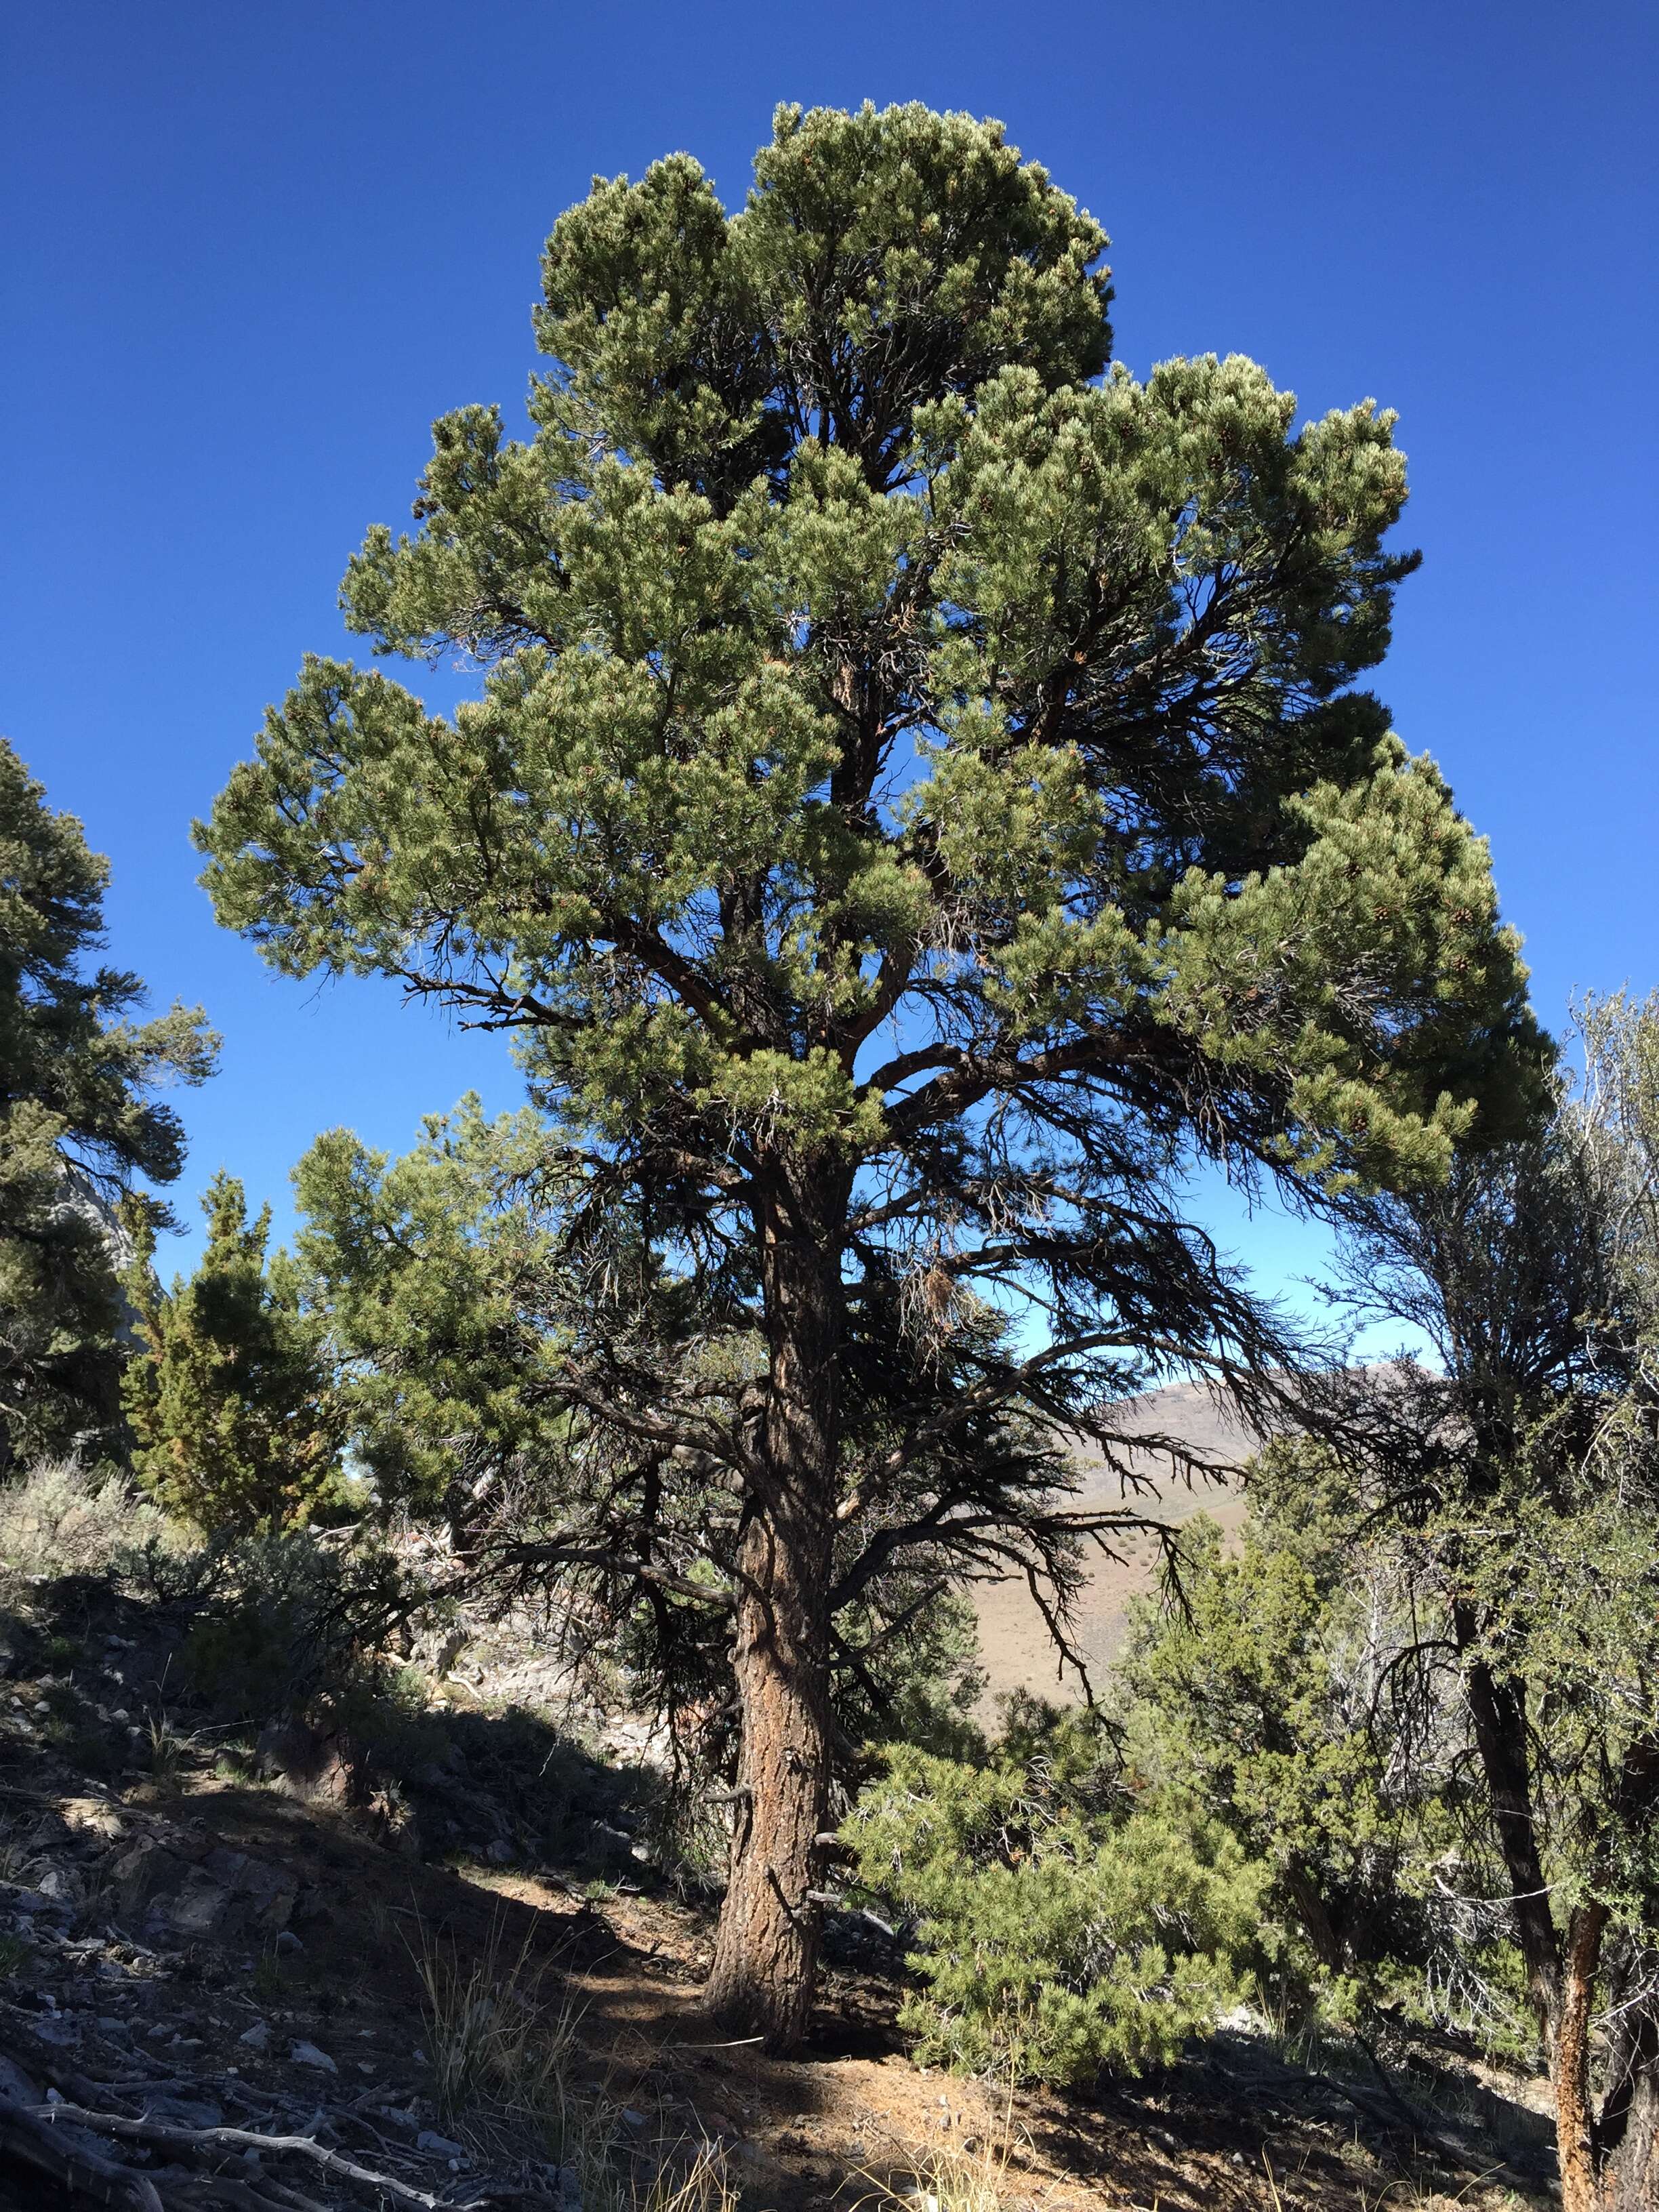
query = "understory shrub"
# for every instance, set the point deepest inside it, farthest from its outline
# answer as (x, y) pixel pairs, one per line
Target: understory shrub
(284, 1619)
(1060, 1924)
(61, 1518)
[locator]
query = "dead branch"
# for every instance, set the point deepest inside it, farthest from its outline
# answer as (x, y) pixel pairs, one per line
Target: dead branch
(43, 2117)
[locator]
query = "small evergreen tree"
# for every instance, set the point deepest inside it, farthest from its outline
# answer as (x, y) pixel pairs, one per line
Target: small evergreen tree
(235, 1422)
(437, 1278)
(1062, 1921)
(78, 1123)
(1270, 1687)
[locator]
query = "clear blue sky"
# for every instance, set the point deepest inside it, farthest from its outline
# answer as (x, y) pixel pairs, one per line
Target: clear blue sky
(251, 251)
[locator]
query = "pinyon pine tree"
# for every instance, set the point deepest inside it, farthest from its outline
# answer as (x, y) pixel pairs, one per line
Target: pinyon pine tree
(917, 802)
(78, 1122)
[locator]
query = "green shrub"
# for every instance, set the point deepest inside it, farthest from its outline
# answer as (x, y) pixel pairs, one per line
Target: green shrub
(283, 1619)
(1059, 1925)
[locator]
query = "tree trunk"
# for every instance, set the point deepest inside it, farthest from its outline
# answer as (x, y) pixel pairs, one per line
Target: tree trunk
(1630, 2129)
(766, 1952)
(1575, 2119)
(1499, 1713)
(765, 1965)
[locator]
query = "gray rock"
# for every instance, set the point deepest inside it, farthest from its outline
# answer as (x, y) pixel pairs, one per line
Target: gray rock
(197, 1908)
(15, 2084)
(306, 2054)
(287, 1943)
(141, 1874)
(268, 1891)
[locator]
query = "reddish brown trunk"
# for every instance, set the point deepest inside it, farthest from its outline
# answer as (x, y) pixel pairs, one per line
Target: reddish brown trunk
(766, 1952)
(1575, 2119)
(765, 1966)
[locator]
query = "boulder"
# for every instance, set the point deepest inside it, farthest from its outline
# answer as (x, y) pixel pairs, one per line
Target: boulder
(267, 1891)
(140, 1874)
(198, 1907)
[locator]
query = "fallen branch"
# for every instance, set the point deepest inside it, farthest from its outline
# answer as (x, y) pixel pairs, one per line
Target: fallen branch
(239, 2139)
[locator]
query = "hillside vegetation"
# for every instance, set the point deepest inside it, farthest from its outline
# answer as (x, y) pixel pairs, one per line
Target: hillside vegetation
(453, 1937)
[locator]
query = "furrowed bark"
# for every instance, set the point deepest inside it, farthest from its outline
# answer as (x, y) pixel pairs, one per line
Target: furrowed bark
(1575, 2119)
(765, 1965)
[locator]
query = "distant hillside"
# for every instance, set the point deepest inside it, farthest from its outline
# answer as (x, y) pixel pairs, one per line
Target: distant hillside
(1015, 1646)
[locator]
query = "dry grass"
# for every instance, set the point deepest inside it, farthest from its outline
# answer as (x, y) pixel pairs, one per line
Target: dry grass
(504, 2057)
(493, 2038)
(171, 1750)
(674, 2183)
